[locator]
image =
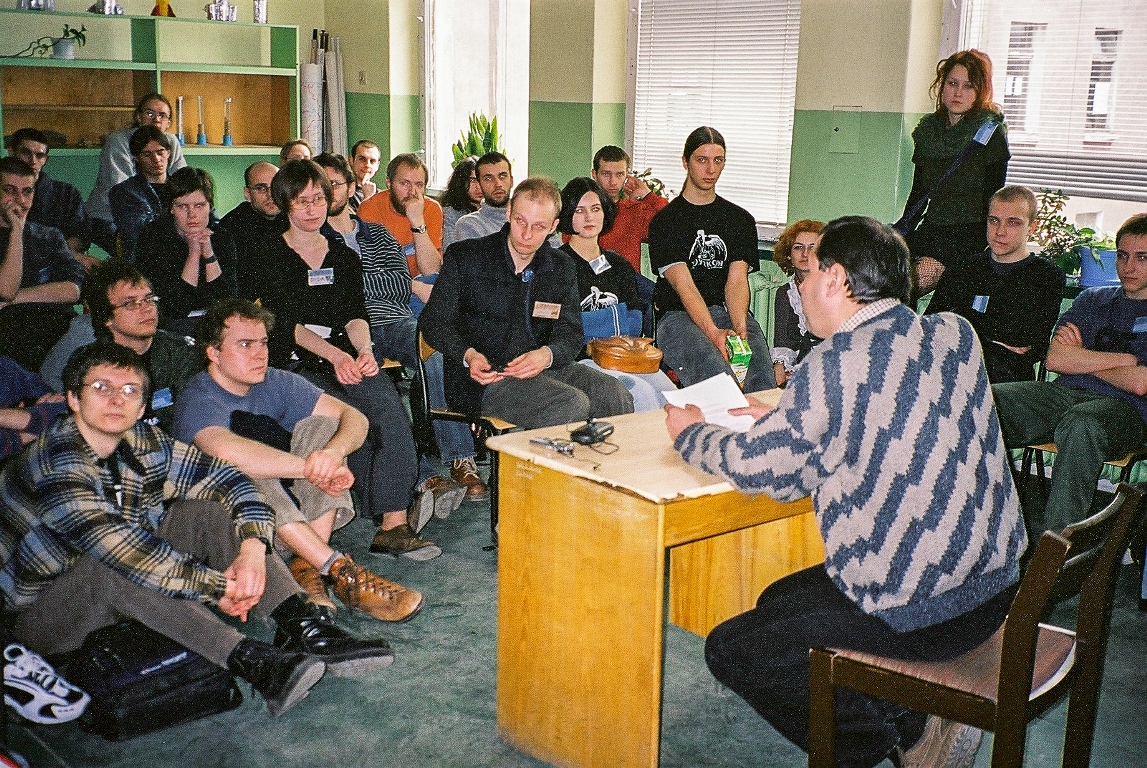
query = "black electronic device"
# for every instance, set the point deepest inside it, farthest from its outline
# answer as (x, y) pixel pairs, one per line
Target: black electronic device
(592, 432)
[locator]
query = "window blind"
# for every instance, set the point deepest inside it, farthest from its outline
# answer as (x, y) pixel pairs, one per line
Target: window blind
(1070, 76)
(729, 64)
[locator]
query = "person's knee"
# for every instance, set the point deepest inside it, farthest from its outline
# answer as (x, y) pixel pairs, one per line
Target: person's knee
(568, 407)
(1081, 427)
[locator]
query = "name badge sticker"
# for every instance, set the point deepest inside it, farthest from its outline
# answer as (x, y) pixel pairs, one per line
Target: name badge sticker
(408, 250)
(1140, 325)
(980, 303)
(321, 277)
(161, 399)
(599, 265)
(547, 310)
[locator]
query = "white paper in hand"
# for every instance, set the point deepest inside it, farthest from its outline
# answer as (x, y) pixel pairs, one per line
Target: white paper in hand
(714, 396)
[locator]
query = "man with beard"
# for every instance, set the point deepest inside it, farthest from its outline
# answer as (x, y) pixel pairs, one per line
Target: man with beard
(414, 219)
(394, 331)
(496, 180)
(254, 220)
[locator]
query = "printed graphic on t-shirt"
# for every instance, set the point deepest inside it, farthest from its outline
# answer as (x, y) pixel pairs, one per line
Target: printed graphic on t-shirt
(708, 251)
(598, 299)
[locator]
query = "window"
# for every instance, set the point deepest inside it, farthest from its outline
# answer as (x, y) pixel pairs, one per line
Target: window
(1018, 76)
(1073, 99)
(1100, 90)
(465, 70)
(729, 64)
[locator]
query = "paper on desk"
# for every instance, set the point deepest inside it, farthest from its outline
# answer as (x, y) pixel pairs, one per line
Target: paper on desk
(714, 396)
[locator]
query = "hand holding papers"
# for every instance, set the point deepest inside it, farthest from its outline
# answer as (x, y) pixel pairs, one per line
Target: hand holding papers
(714, 397)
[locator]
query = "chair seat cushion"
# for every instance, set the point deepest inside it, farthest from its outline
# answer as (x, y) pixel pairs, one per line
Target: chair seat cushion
(977, 671)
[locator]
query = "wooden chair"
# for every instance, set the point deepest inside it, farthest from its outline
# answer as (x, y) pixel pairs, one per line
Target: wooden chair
(1023, 669)
(481, 427)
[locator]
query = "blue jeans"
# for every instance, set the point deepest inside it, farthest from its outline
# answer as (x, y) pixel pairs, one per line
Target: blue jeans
(695, 358)
(762, 655)
(398, 340)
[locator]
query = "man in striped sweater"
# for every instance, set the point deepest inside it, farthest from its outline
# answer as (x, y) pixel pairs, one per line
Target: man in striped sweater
(889, 425)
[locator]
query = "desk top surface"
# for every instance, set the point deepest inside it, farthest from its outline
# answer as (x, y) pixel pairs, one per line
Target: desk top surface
(644, 463)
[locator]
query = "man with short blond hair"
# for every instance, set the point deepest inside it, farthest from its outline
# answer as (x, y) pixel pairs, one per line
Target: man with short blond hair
(1010, 296)
(506, 316)
(1096, 409)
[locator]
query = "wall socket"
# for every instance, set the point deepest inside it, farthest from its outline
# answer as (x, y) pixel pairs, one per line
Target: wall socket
(362, 77)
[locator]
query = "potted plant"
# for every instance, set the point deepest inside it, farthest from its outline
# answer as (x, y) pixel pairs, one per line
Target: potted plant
(1067, 244)
(62, 47)
(482, 138)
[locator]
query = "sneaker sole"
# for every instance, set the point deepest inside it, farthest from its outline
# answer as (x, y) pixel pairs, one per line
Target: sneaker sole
(357, 667)
(305, 677)
(448, 502)
(423, 511)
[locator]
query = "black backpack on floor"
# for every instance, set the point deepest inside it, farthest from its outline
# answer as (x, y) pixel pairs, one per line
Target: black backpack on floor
(141, 681)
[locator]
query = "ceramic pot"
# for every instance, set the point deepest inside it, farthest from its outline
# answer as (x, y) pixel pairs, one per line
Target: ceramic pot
(1092, 274)
(63, 49)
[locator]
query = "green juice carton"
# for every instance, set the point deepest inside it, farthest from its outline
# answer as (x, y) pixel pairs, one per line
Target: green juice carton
(739, 356)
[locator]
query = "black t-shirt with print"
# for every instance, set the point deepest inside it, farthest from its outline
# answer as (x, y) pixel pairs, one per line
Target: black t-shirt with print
(707, 239)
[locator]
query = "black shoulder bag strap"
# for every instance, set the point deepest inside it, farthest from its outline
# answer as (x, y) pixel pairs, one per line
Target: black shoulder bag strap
(911, 218)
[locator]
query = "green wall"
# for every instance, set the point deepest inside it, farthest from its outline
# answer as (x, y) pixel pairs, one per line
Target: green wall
(866, 174)
(565, 135)
(368, 117)
(405, 124)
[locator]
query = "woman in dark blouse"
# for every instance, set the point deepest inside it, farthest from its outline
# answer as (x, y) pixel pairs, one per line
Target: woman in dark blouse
(313, 285)
(792, 339)
(188, 259)
(604, 278)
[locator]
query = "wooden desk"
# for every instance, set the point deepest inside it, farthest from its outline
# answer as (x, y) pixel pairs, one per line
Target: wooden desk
(583, 546)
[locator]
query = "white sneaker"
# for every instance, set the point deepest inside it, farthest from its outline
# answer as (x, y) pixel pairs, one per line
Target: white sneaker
(32, 688)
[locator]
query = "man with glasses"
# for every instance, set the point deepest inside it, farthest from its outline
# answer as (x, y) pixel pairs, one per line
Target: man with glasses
(104, 518)
(39, 278)
(122, 306)
(254, 221)
(56, 203)
(117, 164)
(1010, 296)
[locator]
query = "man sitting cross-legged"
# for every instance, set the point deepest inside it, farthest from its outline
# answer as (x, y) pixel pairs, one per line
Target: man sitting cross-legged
(104, 517)
(275, 425)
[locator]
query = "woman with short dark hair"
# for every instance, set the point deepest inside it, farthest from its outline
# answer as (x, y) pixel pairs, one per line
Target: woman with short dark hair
(189, 260)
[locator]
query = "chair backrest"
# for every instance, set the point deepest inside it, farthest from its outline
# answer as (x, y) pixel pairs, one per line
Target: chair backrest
(1083, 561)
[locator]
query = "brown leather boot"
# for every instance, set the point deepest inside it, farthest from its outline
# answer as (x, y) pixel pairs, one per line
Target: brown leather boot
(368, 592)
(311, 581)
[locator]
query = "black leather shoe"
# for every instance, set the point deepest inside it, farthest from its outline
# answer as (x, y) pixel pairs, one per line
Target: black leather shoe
(282, 677)
(300, 627)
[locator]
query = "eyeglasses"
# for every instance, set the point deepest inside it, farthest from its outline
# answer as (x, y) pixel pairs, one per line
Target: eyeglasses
(262, 189)
(315, 202)
(151, 114)
(149, 301)
(337, 184)
(106, 390)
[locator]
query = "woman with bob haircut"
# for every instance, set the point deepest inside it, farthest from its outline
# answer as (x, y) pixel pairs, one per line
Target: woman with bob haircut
(955, 222)
(604, 278)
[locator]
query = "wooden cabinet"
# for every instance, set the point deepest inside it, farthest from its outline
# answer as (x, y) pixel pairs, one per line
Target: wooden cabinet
(127, 56)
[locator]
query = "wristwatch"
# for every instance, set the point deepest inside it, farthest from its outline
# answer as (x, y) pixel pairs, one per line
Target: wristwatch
(211, 260)
(419, 230)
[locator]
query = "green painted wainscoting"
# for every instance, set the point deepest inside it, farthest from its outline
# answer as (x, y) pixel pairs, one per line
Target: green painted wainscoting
(868, 174)
(368, 117)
